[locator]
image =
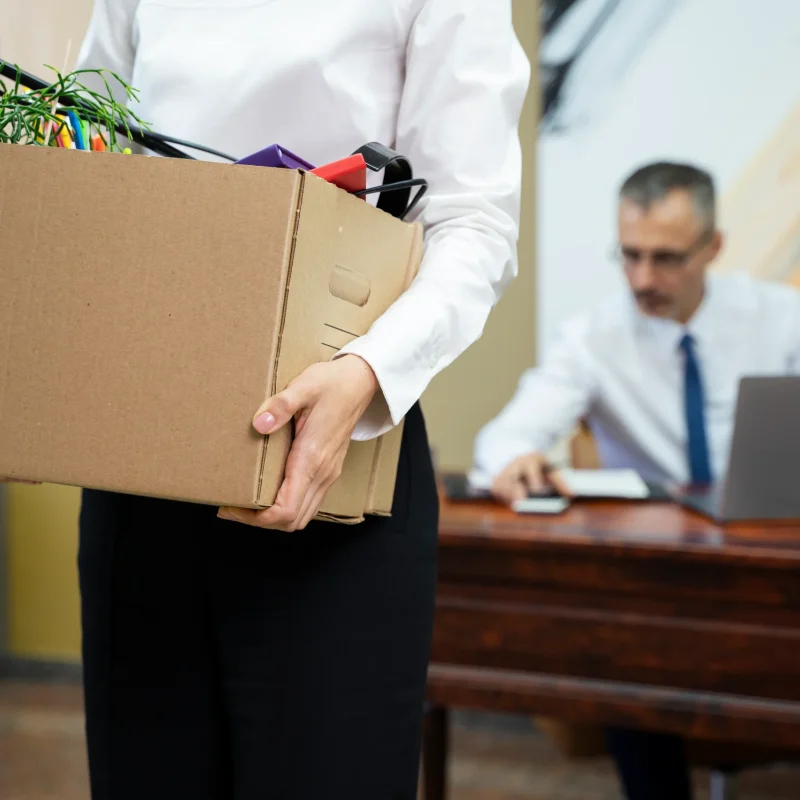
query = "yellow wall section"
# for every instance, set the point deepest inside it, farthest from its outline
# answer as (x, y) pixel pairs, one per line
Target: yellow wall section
(43, 612)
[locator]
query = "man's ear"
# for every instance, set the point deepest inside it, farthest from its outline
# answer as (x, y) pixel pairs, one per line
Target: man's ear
(717, 243)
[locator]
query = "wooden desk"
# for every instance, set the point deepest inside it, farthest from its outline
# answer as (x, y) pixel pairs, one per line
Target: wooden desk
(635, 614)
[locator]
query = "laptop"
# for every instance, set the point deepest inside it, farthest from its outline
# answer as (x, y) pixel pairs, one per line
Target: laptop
(763, 475)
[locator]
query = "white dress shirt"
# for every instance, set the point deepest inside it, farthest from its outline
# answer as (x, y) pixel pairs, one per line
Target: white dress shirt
(624, 373)
(441, 81)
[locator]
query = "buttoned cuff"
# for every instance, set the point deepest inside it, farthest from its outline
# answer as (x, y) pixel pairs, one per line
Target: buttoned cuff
(401, 381)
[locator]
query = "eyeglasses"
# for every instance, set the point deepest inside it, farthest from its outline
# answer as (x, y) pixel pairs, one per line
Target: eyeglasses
(662, 258)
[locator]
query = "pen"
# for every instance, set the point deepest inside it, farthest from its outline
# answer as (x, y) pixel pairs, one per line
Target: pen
(77, 130)
(63, 135)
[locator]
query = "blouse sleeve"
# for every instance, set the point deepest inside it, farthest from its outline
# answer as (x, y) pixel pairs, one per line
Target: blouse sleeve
(466, 81)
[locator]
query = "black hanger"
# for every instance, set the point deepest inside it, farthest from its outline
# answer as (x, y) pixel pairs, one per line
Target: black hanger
(398, 180)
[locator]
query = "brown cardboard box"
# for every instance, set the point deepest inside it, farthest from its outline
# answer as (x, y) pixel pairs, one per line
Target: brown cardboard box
(148, 306)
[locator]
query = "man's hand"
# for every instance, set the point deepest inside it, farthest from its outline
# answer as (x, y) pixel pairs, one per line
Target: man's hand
(326, 401)
(26, 483)
(529, 474)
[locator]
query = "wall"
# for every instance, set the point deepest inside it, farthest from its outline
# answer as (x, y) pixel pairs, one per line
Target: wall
(471, 391)
(43, 617)
(37, 32)
(697, 82)
(40, 584)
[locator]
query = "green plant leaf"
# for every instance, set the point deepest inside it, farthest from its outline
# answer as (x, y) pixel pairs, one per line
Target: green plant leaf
(24, 114)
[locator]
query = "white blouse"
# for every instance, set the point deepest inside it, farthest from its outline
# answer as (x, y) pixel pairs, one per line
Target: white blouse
(441, 81)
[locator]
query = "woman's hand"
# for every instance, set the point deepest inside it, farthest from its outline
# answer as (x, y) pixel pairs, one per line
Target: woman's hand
(326, 400)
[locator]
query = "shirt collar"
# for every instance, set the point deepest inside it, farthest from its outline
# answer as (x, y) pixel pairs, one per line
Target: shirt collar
(704, 324)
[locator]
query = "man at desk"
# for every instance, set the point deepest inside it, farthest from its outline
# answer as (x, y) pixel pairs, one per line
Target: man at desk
(654, 372)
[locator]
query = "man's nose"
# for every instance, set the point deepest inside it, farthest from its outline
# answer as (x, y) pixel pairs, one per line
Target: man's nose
(642, 275)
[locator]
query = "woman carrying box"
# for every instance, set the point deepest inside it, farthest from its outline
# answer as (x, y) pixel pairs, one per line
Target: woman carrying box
(224, 660)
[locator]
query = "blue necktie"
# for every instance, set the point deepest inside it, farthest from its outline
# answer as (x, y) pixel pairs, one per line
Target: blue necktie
(699, 466)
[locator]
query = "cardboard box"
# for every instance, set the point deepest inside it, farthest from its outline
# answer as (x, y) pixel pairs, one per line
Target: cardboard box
(148, 306)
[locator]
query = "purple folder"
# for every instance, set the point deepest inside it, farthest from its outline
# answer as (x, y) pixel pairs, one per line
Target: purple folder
(276, 156)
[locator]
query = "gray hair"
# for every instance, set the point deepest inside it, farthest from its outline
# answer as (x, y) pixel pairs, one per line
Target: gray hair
(653, 182)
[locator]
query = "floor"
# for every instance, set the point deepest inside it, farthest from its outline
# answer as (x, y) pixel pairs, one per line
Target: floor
(494, 758)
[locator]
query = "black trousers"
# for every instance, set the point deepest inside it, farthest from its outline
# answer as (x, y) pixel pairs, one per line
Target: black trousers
(651, 766)
(229, 663)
